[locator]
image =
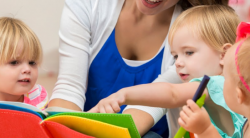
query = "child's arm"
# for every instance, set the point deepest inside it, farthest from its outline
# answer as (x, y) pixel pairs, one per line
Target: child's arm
(196, 120)
(160, 94)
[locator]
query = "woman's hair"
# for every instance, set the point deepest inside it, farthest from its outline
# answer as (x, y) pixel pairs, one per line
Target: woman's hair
(214, 24)
(12, 31)
(243, 59)
(185, 4)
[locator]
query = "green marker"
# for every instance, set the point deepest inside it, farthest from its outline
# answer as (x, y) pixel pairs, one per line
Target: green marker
(200, 102)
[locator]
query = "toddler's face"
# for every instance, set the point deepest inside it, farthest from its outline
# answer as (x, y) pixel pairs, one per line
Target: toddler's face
(231, 78)
(17, 77)
(194, 58)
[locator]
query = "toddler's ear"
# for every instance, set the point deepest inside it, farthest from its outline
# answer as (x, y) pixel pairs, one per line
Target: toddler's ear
(225, 47)
(240, 96)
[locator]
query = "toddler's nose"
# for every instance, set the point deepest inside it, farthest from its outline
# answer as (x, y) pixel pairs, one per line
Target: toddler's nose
(26, 68)
(179, 63)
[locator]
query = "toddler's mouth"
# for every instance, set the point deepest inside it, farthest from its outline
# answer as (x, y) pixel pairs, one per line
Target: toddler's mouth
(183, 76)
(24, 80)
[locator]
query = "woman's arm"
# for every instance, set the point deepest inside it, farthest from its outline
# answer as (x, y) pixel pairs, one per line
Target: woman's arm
(140, 116)
(143, 120)
(64, 104)
(70, 88)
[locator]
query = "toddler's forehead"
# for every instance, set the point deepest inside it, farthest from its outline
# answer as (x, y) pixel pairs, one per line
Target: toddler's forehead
(20, 56)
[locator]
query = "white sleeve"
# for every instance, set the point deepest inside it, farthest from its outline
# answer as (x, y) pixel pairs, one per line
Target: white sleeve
(74, 52)
(170, 76)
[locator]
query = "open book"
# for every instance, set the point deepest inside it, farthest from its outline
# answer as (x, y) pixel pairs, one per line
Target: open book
(23, 120)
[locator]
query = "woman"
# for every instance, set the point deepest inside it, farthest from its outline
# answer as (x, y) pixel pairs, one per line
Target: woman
(106, 45)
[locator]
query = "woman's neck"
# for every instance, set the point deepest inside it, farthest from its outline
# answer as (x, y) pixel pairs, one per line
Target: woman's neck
(9, 97)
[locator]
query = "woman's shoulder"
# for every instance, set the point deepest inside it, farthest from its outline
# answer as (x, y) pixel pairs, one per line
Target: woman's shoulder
(93, 6)
(95, 13)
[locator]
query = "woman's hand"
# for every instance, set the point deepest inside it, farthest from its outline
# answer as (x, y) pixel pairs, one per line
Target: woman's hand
(194, 119)
(110, 104)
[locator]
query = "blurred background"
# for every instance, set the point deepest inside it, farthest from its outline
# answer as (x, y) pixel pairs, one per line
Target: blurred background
(242, 8)
(43, 17)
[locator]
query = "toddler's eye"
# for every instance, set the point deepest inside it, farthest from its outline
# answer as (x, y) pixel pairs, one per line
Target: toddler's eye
(175, 57)
(14, 62)
(32, 63)
(189, 53)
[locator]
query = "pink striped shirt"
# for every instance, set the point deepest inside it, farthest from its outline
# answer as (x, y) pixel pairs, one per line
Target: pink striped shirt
(37, 97)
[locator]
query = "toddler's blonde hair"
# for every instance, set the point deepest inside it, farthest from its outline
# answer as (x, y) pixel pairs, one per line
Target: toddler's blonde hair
(11, 32)
(214, 24)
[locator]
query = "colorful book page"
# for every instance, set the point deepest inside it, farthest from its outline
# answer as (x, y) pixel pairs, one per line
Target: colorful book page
(20, 124)
(17, 108)
(122, 120)
(90, 127)
(60, 131)
(27, 125)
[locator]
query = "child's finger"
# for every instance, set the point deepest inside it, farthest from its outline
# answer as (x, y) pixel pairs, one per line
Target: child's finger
(192, 105)
(94, 110)
(184, 116)
(204, 110)
(181, 122)
(109, 109)
(102, 109)
(187, 110)
(116, 107)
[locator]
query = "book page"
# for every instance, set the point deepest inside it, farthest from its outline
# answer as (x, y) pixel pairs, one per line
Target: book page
(56, 110)
(24, 105)
(27, 106)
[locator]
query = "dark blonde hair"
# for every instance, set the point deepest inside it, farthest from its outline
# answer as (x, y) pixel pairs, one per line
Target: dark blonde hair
(244, 63)
(214, 24)
(11, 32)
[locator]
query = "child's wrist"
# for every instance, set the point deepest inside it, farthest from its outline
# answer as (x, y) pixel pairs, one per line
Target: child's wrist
(210, 130)
(122, 95)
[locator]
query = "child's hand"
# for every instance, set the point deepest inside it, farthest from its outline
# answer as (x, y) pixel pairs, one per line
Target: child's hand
(194, 119)
(110, 104)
